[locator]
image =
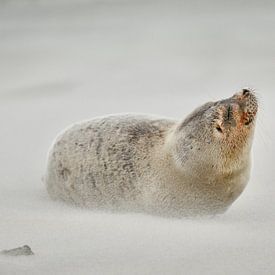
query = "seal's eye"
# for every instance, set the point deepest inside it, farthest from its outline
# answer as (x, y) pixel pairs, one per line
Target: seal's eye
(219, 129)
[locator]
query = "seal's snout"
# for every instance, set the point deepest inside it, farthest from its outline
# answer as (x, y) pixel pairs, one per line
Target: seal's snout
(237, 111)
(244, 94)
(248, 105)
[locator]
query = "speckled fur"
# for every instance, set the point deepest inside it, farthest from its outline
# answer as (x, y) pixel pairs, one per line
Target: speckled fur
(153, 165)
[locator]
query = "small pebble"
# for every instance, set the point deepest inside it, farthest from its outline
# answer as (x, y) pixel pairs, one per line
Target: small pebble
(19, 251)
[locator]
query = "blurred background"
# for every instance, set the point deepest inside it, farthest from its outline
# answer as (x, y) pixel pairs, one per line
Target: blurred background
(64, 61)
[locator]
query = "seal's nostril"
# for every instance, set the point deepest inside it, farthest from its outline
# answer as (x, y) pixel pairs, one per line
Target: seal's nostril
(246, 92)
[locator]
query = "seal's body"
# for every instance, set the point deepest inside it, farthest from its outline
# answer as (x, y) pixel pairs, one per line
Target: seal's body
(128, 162)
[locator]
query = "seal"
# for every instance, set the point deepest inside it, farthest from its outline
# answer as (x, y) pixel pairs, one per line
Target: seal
(197, 166)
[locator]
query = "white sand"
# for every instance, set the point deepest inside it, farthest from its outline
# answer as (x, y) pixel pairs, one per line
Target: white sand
(63, 61)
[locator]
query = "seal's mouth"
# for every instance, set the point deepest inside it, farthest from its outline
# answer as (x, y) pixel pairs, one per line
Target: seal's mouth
(237, 111)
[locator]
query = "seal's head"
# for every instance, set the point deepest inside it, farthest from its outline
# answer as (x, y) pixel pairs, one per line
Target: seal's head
(234, 121)
(218, 134)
